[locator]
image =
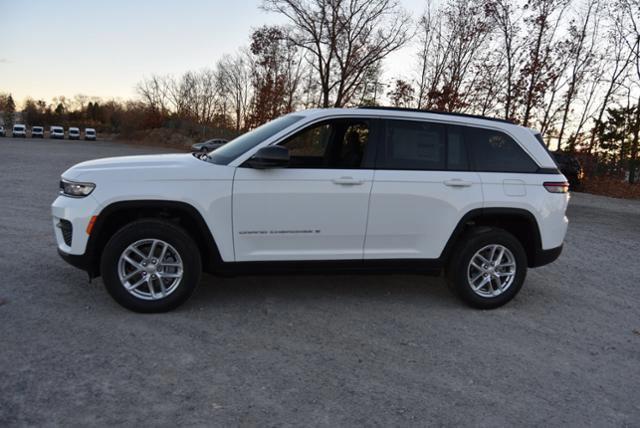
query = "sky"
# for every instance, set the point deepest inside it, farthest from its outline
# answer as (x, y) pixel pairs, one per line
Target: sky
(103, 48)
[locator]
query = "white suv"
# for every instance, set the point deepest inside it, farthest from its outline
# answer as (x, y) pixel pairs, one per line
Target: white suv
(325, 190)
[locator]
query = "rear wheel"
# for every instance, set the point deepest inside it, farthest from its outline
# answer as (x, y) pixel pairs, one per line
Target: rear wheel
(488, 268)
(151, 266)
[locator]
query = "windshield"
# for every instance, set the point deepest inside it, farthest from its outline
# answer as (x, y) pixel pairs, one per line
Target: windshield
(244, 142)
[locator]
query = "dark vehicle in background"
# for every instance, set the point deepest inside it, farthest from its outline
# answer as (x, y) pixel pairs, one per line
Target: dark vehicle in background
(2, 133)
(56, 132)
(37, 132)
(89, 134)
(209, 145)
(570, 168)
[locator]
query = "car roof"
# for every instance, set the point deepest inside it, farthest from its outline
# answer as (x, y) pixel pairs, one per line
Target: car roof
(444, 113)
(391, 112)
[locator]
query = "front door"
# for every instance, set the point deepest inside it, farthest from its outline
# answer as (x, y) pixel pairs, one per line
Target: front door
(316, 209)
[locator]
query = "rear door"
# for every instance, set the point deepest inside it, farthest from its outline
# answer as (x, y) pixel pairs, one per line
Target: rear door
(508, 174)
(316, 209)
(422, 187)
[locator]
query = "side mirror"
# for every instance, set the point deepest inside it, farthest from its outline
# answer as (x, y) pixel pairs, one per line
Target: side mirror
(269, 157)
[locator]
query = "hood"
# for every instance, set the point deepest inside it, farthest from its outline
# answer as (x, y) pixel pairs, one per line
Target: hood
(149, 167)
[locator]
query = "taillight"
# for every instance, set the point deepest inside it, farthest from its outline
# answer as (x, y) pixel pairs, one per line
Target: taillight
(556, 186)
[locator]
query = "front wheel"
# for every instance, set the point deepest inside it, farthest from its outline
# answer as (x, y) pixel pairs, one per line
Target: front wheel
(151, 266)
(488, 268)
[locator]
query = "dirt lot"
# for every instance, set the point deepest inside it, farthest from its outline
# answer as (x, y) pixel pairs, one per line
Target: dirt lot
(313, 351)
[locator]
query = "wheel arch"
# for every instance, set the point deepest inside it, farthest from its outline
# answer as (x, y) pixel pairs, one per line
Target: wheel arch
(116, 215)
(517, 221)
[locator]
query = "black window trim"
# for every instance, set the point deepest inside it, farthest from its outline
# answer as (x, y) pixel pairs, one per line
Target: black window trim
(470, 162)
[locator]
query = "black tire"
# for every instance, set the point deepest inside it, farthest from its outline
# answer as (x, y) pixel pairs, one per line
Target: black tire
(468, 245)
(151, 229)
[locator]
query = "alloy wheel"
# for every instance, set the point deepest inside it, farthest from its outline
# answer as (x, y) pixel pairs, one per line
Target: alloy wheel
(491, 270)
(150, 269)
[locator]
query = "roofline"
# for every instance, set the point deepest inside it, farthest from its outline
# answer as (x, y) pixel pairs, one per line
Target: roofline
(444, 113)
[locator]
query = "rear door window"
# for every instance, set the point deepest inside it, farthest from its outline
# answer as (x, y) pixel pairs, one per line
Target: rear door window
(413, 145)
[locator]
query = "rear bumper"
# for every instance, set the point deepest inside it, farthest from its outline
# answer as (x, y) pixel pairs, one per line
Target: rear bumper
(544, 257)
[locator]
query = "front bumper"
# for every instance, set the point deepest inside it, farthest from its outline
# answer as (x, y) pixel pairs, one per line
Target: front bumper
(78, 212)
(78, 261)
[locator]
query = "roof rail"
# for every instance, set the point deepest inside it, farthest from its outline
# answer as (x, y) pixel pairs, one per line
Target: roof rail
(417, 110)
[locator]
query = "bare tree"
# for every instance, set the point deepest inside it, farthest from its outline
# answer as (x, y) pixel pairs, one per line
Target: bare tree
(372, 86)
(631, 34)
(235, 84)
(619, 57)
(154, 92)
(433, 56)
(486, 84)
(542, 25)
(452, 38)
(506, 17)
(580, 47)
(401, 93)
(344, 38)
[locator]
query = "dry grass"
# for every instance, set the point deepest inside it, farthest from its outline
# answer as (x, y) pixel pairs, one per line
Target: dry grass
(611, 186)
(160, 137)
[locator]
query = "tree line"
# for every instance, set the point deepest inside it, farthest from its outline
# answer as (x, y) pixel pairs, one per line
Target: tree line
(569, 68)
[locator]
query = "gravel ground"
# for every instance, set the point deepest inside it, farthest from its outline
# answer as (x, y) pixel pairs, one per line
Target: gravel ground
(313, 351)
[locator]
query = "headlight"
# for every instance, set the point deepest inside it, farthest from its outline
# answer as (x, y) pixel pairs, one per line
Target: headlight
(75, 189)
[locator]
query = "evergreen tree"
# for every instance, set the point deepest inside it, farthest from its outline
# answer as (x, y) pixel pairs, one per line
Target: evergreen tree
(9, 111)
(618, 137)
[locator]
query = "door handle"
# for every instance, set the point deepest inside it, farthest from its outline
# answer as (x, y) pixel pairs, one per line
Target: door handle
(347, 181)
(456, 182)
